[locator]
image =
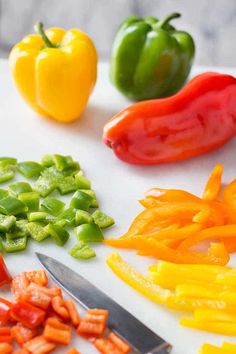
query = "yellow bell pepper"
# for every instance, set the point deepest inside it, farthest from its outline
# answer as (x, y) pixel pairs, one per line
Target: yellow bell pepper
(136, 280)
(229, 346)
(213, 349)
(55, 71)
(190, 304)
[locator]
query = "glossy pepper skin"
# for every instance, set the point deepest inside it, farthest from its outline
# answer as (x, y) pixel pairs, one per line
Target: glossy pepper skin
(198, 119)
(55, 71)
(150, 58)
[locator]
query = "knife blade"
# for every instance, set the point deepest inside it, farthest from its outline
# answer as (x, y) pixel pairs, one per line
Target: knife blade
(142, 339)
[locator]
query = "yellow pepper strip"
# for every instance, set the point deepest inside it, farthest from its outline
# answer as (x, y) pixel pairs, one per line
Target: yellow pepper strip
(197, 291)
(214, 315)
(136, 280)
(213, 349)
(213, 184)
(229, 346)
(226, 328)
(169, 275)
(191, 304)
(216, 232)
(227, 278)
(229, 195)
(55, 71)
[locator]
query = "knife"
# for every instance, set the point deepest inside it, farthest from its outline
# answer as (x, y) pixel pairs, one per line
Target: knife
(140, 337)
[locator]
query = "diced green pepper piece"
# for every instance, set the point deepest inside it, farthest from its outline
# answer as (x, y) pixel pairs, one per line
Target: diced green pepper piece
(37, 216)
(7, 222)
(37, 231)
(47, 161)
(81, 200)
(16, 244)
(81, 181)
(1, 244)
(20, 229)
(8, 160)
(89, 233)
(52, 206)
(19, 187)
(31, 199)
(3, 193)
(6, 174)
(29, 169)
(68, 215)
(83, 217)
(57, 233)
(12, 206)
(102, 219)
(62, 162)
(67, 185)
(44, 186)
(91, 193)
(82, 251)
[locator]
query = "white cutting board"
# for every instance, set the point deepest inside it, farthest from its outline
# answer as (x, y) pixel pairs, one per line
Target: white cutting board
(27, 136)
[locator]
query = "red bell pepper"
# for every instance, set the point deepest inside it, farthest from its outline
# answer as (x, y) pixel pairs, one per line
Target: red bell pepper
(29, 315)
(5, 277)
(199, 118)
(5, 308)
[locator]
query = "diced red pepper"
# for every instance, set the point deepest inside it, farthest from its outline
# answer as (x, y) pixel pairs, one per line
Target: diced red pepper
(21, 351)
(5, 348)
(73, 313)
(36, 296)
(59, 307)
(57, 332)
(38, 277)
(29, 315)
(5, 307)
(22, 334)
(19, 285)
(5, 335)
(39, 345)
(93, 323)
(5, 277)
(105, 346)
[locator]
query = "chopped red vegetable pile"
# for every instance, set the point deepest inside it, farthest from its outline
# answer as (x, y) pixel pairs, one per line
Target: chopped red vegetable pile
(40, 319)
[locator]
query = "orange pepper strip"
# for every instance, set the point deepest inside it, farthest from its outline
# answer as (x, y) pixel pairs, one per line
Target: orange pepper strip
(217, 232)
(5, 348)
(213, 184)
(180, 233)
(230, 244)
(229, 195)
(161, 195)
(74, 315)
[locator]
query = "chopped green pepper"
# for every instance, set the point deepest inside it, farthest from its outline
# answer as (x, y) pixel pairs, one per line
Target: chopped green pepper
(62, 162)
(83, 217)
(3, 193)
(67, 185)
(52, 206)
(68, 215)
(20, 229)
(91, 193)
(7, 222)
(57, 233)
(47, 161)
(1, 244)
(82, 251)
(44, 186)
(12, 206)
(36, 216)
(29, 169)
(19, 187)
(89, 233)
(31, 199)
(6, 174)
(15, 245)
(37, 231)
(8, 160)
(81, 200)
(102, 220)
(81, 181)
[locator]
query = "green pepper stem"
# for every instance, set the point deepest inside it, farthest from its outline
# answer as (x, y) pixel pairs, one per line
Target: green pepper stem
(40, 30)
(168, 18)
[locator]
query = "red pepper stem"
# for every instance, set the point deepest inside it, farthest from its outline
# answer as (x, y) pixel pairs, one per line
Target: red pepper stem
(167, 19)
(40, 30)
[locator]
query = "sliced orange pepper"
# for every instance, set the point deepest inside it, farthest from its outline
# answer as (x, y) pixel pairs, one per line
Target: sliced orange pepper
(229, 195)
(213, 184)
(57, 332)
(73, 313)
(230, 244)
(121, 344)
(172, 233)
(6, 348)
(216, 232)
(39, 345)
(155, 196)
(59, 307)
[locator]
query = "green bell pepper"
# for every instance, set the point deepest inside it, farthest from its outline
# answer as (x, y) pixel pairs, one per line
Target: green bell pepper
(82, 251)
(88, 233)
(150, 58)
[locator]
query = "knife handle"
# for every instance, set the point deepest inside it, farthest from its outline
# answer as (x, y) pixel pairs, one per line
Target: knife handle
(165, 348)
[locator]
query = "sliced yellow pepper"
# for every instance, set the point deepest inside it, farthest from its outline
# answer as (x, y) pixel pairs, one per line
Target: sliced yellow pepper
(227, 328)
(191, 304)
(55, 71)
(213, 349)
(214, 315)
(229, 346)
(136, 280)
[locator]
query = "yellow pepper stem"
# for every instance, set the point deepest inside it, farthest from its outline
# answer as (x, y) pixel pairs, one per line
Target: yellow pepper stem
(40, 30)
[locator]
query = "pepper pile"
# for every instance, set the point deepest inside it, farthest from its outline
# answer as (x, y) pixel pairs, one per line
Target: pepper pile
(40, 319)
(28, 211)
(175, 221)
